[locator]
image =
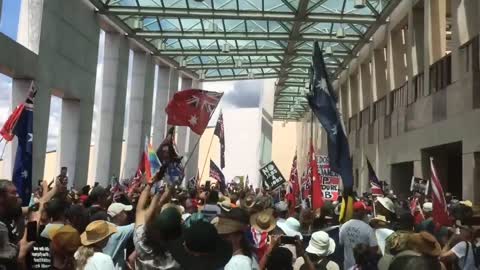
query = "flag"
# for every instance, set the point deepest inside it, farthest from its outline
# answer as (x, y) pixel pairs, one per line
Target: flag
(23, 129)
(192, 108)
(440, 212)
(219, 132)
(7, 130)
(306, 184)
(323, 103)
(293, 188)
(413, 206)
(151, 162)
(217, 174)
(167, 151)
(375, 185)
(317, 195)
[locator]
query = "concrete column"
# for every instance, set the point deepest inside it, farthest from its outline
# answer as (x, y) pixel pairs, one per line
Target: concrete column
(415, 41)
(40, 130)
(379, 72)
(30, 24)
(366, 85)
(354, 89)
(140, 112)
(182, 132)
(111, 110)
(192, 166)
(345, 101)
(159, 121)
(396, 63)
(69, 137)
(470, 173)
(19, 90)
(172, 85)
(434, 38)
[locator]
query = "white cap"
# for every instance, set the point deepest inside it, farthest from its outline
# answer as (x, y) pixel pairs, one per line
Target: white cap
(116, 208)
(427, 207)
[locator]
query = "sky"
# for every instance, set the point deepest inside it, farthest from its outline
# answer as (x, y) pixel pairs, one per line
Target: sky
(247, 97)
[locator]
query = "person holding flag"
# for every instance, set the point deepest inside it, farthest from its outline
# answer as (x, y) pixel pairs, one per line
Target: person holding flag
(293, 188)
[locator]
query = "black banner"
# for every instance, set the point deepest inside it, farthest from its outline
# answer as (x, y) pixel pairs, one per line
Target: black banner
(272, 177)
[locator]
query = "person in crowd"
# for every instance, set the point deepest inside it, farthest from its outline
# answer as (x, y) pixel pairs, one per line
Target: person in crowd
(429, 225)
(116, 245)
(154, 231)
(98, 200)
(225, 205)
(361, 252)
(281, 211)
(262, 223)
(55, 210)
(65, 241)
(277, 257)
(77, 216)
(211, 209)
(201, 248)
(90, 256)
(233, 230)
(385, 207)
(319, 249)
(381, 225)
(462, 253)
(354, 232)
(12, 251)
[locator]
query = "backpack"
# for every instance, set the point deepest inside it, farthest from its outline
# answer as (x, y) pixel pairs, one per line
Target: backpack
(475, 251)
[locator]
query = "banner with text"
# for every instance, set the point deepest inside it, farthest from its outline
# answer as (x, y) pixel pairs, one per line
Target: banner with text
(272, 177)
(330, 179)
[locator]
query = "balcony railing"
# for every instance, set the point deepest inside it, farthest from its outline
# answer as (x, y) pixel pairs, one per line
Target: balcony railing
(469, 52)
(417, 90)
(441, 73)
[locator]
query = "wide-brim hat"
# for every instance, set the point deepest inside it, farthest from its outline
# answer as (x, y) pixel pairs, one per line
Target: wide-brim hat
(214, 254)
(424, 243)
(380, 220)
(97, 231)
(291, 227)
(263, 221)
(387, 204)
(65, 239)
(321, 244)
(226, 204)
(249, 201)
(228, 226)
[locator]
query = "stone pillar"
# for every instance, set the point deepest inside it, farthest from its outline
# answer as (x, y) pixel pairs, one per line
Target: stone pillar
(379, 68)
(470, 173)
(30, 24)
(69, 137)
(354, 100)
(396, 65)
(434, 38)
(415, 41)
(182, 132)
(19, 90)
(111, 108)
(139, 117)
(159, 121)
(172, 85)
(191, 168)
(366, 85)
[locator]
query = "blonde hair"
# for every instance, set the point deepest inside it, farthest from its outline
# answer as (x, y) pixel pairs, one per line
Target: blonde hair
(83, 254)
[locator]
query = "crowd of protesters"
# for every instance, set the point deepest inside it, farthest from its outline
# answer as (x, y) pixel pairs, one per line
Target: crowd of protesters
(147, 227)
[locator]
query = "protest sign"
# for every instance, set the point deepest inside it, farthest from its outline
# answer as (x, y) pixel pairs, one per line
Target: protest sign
(419, 185)
(330, 179)
(272, 177)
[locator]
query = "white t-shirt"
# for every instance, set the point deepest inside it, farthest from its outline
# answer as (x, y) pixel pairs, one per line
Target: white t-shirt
(99, 261)
(352, 233)
(460, 250)
(241, 262)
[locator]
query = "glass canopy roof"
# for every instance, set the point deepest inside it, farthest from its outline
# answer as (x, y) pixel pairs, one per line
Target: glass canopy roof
(251, 39)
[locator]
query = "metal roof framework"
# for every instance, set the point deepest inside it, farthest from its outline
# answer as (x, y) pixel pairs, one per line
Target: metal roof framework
(251, 39)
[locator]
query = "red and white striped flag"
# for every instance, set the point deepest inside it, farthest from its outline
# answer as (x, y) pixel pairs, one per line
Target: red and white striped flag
(440, 211)
(293, 188)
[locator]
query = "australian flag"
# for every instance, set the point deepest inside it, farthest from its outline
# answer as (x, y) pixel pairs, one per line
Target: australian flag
(323, 103)
(219, 132)
(22, 170)
(217, 174)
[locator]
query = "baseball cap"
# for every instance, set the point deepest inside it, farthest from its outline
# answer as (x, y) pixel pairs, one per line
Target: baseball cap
(359, 206)
(116, 208)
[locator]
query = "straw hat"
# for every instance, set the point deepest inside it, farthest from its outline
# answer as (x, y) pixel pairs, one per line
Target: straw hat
(380, 220)
(291, 227)
(97, 231)
(65, 239)
(321, 244)
(263, 221)
(424, 243)
(228, 226)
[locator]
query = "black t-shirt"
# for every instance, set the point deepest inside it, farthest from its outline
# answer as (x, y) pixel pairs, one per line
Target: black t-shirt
(40, 256)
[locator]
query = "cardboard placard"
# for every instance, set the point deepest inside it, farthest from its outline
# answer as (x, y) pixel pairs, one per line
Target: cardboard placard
(272, 177)
(419, 185)
(330, 179)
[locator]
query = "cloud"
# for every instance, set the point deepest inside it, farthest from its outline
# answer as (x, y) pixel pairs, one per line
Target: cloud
(244, 94)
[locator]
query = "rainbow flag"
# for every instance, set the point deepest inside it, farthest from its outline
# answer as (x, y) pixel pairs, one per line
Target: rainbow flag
(151, 161)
